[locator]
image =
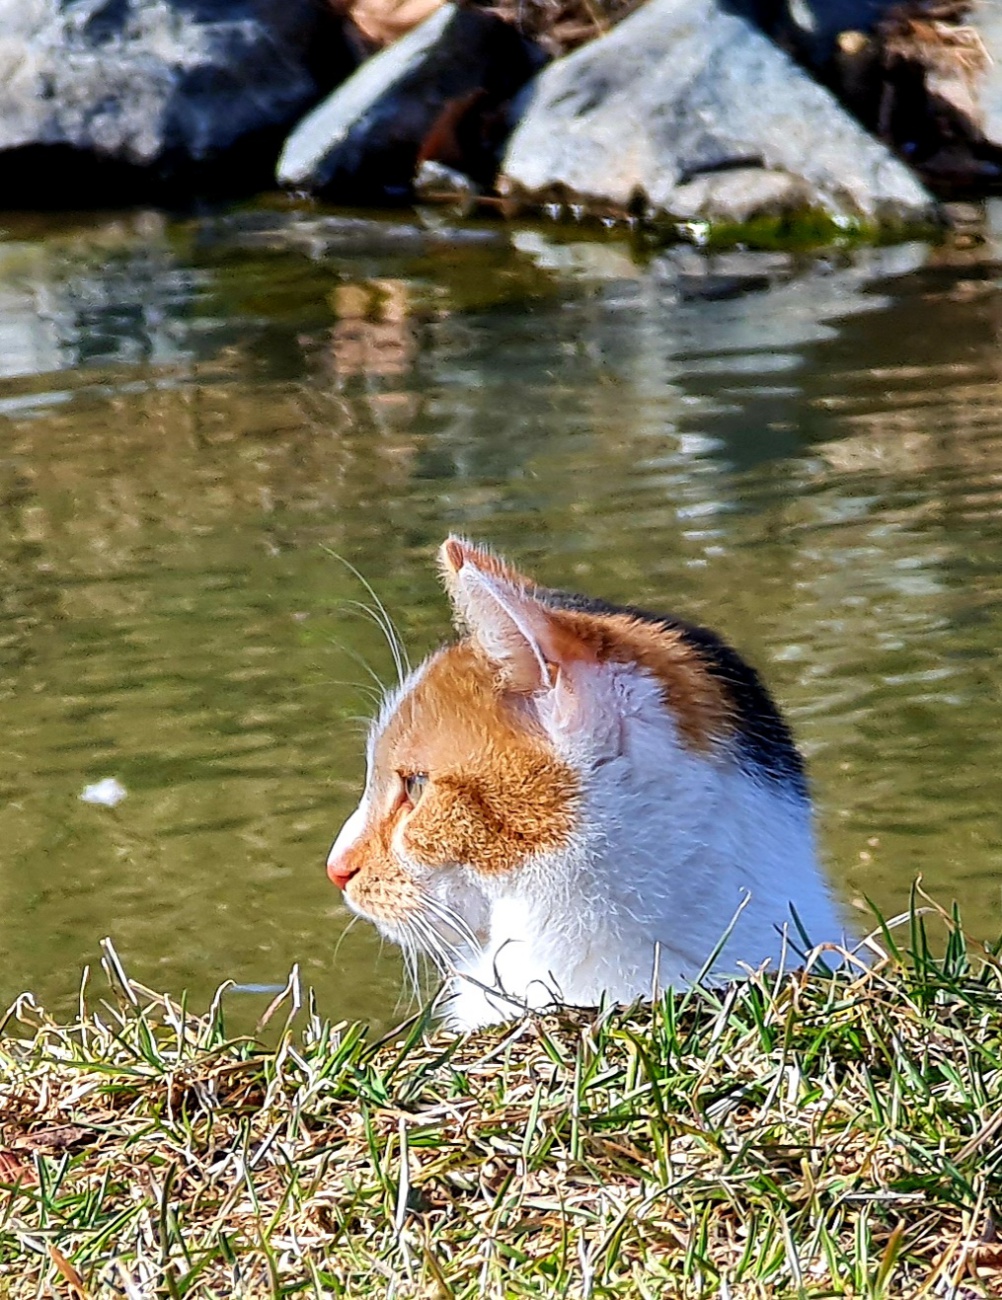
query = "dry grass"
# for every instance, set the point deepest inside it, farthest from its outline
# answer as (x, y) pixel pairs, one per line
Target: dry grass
(560, 26)
(797, 1136)
(935, 35)
(557, 26)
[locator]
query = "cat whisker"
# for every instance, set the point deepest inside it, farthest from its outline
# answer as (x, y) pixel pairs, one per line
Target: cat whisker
(428, 965)
(380, 616)
(397, 648)
(451, 950)
(435, 947)
(419, 946)
(381, 620)
(451, 918)
(427, 939)
(410, 948)
(352, 922)
(371, 691)
(394, 640)
(379, 690)
(448, 916)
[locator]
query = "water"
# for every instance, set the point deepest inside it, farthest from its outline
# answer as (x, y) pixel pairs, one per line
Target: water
(197, 417)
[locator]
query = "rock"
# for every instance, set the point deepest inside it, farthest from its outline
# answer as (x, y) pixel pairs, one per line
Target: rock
(686, 109)
(436, 183)
(118, 90)
(364, 142)
(924, 77)
(743, 193)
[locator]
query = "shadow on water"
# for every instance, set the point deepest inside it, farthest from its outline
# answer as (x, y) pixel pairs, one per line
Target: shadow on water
(806, 454)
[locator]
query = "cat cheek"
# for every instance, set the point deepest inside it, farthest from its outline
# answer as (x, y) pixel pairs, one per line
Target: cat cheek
(410, 843)
(427, 840)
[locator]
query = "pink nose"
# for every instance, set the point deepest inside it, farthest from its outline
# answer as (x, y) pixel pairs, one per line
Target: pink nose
(340, 869)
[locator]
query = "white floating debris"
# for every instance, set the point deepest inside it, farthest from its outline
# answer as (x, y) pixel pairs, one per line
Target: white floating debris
(107, 792)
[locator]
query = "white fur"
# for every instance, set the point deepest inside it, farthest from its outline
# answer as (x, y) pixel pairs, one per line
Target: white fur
(349, 833)
(673, 848)
(354, 827)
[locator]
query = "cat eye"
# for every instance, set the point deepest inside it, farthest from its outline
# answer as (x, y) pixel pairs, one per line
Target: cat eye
(414, 784)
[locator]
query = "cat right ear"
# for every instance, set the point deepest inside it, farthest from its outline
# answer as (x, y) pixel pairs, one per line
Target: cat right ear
(496, 605)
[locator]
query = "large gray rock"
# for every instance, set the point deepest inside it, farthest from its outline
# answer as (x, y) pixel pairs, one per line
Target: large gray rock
(661, 113)
(363, 143)
(162, 84)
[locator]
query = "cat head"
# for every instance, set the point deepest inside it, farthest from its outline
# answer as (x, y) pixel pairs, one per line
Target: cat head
(507, 752)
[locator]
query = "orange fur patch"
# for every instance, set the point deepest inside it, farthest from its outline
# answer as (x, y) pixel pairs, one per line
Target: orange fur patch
(496, 794)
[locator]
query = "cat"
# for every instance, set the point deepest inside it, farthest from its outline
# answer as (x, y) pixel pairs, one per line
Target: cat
(576, 800)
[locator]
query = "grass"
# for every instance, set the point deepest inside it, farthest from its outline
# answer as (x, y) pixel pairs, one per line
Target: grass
(804, 1135)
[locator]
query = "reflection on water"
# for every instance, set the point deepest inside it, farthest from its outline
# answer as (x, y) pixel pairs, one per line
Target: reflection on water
(196, 419)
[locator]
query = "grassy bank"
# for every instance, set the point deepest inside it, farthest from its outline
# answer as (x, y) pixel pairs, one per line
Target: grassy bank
(809, 1136)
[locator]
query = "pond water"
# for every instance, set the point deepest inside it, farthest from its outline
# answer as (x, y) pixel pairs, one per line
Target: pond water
(197, 417)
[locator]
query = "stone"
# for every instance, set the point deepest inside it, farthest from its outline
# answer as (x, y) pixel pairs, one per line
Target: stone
(365, 142)
(653, 116)
(743, 193)
(436, 183)
(118, 90)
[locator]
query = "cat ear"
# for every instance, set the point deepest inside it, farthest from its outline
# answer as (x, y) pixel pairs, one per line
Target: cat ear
(497, 607)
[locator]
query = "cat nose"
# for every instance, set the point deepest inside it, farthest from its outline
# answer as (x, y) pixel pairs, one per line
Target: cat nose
(340, 868)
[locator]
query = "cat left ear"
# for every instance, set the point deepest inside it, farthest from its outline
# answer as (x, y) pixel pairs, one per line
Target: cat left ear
(497, 607)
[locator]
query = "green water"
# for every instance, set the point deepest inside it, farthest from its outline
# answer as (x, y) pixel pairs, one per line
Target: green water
(804, 453)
